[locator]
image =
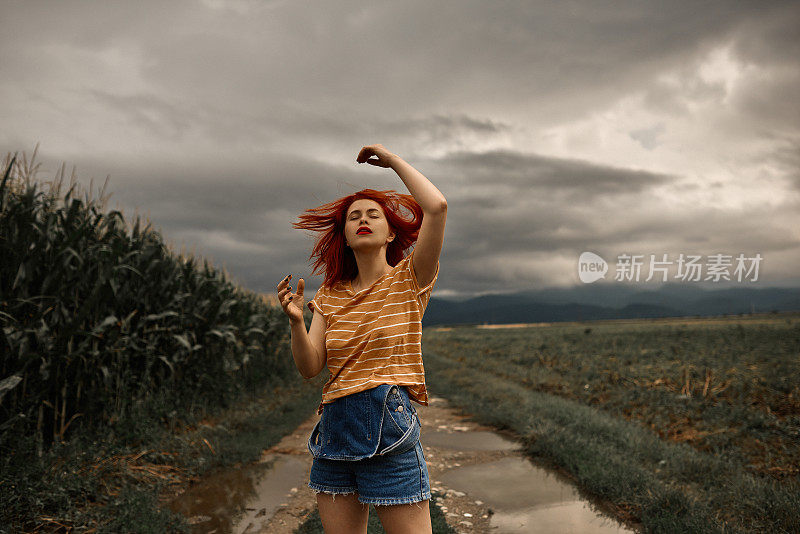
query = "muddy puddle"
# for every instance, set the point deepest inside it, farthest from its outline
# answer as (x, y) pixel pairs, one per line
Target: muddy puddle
(463, 440)
(486, 483)
(527, 499)
(523, 497)
(241, 501)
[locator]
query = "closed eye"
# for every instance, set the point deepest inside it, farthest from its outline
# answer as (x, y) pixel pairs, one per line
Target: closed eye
(372, 211)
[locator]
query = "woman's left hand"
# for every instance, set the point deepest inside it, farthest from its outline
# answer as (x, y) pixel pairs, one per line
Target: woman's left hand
(383, 158)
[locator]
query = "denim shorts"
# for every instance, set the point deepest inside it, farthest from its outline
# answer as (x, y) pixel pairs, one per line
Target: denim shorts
(369, 443)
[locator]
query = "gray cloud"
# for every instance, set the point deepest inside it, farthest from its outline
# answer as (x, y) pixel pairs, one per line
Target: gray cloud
(224, 120)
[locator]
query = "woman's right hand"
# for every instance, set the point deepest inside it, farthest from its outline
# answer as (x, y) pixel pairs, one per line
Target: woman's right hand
(292, 303)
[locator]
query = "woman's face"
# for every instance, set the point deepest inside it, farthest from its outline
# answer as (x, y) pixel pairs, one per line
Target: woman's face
(366, 213)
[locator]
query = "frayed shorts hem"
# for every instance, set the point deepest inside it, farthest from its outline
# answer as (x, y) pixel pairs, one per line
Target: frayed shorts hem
(334, 491)
(319, 488)
(397, 500)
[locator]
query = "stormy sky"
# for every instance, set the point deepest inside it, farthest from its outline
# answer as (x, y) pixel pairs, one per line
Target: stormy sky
(552, 128)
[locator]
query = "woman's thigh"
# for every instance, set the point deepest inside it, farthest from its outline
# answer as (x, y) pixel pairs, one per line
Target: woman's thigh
(414, 518)
(342, 513)
(334, 482)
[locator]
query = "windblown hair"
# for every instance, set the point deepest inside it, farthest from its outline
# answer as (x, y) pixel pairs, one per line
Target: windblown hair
(334, 258)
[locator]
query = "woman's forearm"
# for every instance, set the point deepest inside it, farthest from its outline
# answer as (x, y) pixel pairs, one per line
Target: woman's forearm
(424, 192)
(305, 355)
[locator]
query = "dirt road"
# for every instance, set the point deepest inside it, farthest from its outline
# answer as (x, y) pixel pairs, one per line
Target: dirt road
(443, 425)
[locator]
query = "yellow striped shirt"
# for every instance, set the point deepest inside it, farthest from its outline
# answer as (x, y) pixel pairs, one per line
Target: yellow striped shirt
(374, 336)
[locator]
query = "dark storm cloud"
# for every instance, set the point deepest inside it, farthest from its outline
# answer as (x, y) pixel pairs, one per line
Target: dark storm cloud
(225, 120)
(229, 195)
(577, 180)
(453, 52)
(528, 202)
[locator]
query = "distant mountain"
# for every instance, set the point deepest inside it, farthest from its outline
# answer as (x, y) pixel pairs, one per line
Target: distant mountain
(591, 302)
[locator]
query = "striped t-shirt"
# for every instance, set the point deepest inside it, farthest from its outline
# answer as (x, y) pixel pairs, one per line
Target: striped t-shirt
(374, 336)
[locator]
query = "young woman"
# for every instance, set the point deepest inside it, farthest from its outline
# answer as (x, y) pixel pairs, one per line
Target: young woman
(367, 329)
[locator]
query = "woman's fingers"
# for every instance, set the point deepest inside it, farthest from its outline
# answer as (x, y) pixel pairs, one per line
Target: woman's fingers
(367, 151)
(381, 158)
(283, 282)
(284, 292)
(363, 154)
(285, 295)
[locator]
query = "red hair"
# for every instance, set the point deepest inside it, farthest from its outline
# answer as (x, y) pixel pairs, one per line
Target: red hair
(334, 258)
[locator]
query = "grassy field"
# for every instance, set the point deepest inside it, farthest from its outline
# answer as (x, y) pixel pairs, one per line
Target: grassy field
(686, 425)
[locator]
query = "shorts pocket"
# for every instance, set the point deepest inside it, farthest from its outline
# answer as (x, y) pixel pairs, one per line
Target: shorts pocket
(400, 429)
(320, 438)
(315, 442)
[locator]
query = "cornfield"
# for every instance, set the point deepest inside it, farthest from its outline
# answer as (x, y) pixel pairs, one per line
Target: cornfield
(100, 321)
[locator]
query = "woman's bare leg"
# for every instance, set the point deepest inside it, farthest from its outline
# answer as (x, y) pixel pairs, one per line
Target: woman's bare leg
(413, 518)
(342, 514)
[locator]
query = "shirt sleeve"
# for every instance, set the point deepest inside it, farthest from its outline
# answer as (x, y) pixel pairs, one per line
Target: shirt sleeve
(318, 303)
(423, 294)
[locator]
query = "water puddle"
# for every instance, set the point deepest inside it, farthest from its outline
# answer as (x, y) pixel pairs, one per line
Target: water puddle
(526, 498)
(258, 489)
(523, 497)
(467, 441)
